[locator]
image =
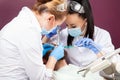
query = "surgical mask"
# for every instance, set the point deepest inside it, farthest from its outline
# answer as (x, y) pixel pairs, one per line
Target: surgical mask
(75, 32)
(45, 32)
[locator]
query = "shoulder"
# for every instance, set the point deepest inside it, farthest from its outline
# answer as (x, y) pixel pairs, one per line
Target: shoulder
(103, 38)
(99, 32)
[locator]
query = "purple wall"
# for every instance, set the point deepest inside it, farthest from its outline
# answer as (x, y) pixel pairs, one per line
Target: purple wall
(10, 8)
(106, 14)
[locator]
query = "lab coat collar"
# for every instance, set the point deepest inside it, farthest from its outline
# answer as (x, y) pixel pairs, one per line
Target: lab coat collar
(31, 17)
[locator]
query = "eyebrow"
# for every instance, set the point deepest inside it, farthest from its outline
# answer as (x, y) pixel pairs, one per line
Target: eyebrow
(72, 24)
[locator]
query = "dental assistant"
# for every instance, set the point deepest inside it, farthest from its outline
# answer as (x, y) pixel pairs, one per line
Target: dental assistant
(21, 46)
(83, 41)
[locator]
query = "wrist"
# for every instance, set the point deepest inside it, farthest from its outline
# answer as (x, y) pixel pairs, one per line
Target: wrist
(54, 57)
(51, 63)
(99, 55)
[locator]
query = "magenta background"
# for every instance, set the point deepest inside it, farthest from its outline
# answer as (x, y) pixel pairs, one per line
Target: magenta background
(106, 14)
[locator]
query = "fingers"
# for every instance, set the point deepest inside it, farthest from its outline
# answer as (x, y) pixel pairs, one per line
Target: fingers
(58, 52)
(84, 42)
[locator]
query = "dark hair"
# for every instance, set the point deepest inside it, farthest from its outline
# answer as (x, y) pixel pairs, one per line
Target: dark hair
(46, 57)
(47, 54)
(88, 15)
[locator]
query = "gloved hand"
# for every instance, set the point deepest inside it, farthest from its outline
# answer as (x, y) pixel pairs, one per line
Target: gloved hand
(58, 52)
(88, 43)
(47, 47)
(52, 33)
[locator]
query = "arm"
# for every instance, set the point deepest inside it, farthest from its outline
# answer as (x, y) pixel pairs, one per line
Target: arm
(33, 58)
(31, 51)
(26, 62)
(100, 54)
(34, 67)
(51, 34)
(51, 63)
(103, 38)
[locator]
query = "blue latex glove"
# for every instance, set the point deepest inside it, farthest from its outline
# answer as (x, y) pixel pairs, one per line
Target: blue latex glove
(47, 47)
(58, 52)
(88, 43)
(52, 33)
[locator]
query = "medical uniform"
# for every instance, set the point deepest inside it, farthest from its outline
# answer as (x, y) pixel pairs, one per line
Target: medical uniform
(70, 72)
(21, 49)
(82, 56)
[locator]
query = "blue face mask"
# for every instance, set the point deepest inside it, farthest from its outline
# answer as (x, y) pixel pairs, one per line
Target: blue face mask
(74, 32)
(45, 32)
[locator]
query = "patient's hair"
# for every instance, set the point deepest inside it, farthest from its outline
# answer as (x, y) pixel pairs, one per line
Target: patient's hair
(46, 57)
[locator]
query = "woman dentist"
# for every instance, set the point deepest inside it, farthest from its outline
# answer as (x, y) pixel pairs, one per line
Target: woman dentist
(83, 41)
(21, 45)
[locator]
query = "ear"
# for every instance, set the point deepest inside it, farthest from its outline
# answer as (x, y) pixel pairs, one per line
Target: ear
(51, 19)
(85, 19)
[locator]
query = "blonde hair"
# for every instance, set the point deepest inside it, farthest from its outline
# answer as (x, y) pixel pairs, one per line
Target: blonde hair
(51, 7)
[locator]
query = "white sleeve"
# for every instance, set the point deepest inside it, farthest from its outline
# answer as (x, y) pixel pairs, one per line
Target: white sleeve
(107, 43)
(33, 64)
(31, 53)
(103, 38)
(23, 60)
(10, 65)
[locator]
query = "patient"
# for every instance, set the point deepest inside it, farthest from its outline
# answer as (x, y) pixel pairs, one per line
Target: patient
(64, 71)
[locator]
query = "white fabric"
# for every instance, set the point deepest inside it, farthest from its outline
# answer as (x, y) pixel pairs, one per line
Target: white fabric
(21, 49)
(69, 72)
(82, 56)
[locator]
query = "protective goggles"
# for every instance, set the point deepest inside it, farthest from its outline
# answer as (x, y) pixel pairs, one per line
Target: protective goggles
(75, 6)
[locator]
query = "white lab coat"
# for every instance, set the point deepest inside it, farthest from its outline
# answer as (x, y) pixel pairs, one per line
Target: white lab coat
(82, 56)
(21, 49)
